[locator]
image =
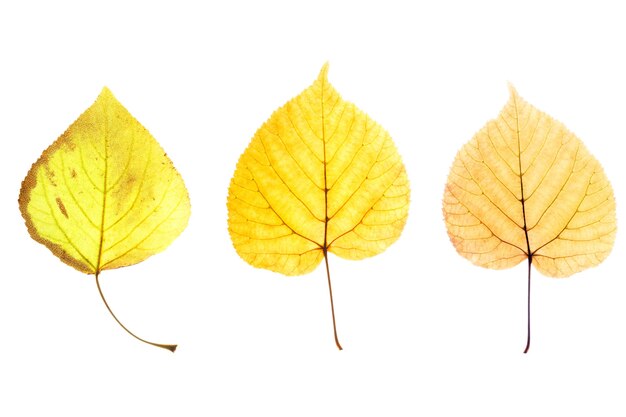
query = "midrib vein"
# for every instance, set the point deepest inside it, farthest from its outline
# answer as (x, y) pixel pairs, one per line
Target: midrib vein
(521, 180)
(325, 247)
(104, 191)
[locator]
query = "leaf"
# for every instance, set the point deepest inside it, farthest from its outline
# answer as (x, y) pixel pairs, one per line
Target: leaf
(319, 176)
(104, 194)
(525, 188)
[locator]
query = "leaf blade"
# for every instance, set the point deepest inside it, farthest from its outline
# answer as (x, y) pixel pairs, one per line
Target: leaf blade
(64, 201)
(318, 175)
(567, 209)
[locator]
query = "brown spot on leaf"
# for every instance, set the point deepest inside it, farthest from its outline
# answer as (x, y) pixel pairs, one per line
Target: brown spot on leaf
(50, 174)
(62, 207)
(73, 173)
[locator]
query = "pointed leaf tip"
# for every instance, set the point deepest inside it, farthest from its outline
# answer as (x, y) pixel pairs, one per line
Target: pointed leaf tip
(323, 75)
(512, 90)
(106, 97)
(106, 92)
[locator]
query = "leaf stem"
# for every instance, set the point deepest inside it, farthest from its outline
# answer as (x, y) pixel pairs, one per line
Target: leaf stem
(332, 306)
(171, 348)
(530, 261)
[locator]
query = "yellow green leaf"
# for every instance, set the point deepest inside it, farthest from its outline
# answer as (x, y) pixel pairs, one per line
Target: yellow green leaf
(526, 188)
(319, 176)
(104, 194)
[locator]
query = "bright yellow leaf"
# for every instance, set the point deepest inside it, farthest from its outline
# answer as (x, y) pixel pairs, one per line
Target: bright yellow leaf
(319, 176)
(104, 194)
(525, 188)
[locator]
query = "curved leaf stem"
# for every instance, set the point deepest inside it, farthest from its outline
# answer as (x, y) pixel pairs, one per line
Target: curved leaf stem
(530, 261)
(171, 348)
(332, 306)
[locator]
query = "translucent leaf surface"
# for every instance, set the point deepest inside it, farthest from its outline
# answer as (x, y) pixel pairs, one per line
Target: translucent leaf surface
(104, 194)
(319, 176)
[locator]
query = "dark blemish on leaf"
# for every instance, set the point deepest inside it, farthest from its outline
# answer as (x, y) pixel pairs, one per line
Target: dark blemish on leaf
(50, 174)
(73, 173)
(62, 207)
(66, 141)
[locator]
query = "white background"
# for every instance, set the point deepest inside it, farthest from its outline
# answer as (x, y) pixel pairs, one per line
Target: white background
(424, 331)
